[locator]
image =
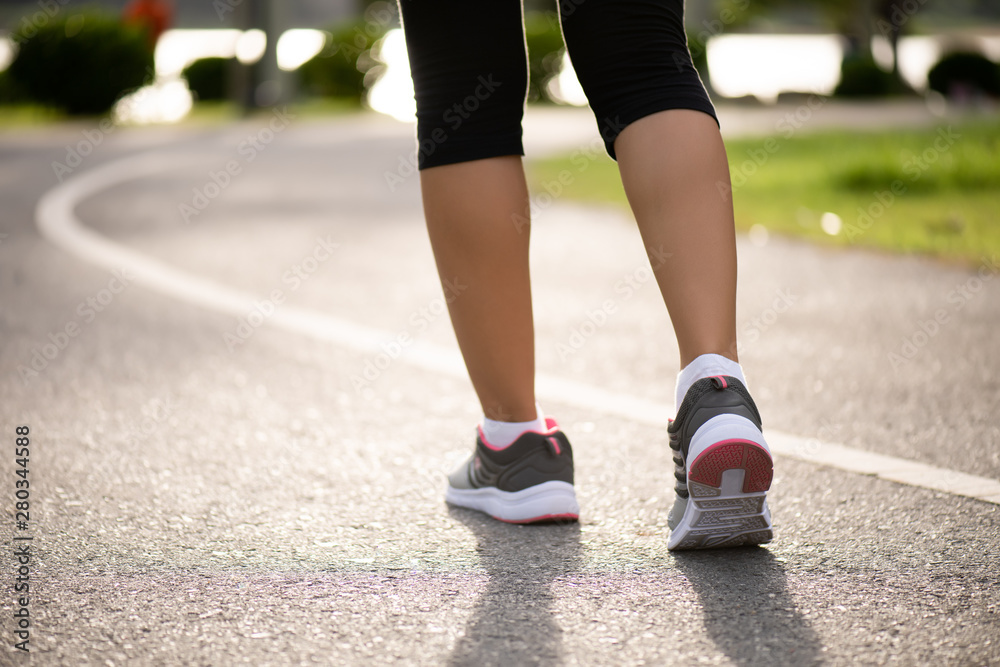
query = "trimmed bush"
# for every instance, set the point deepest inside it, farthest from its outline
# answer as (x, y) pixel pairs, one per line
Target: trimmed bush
(10, 91)
(207, 78)
(82, 63)
(965, 71)
(545, 53)
(698, 46)
(340, 68)
(345, 67)
(861, 77)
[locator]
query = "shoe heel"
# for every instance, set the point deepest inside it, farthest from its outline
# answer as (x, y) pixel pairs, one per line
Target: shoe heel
(712, 469)
(728, 477)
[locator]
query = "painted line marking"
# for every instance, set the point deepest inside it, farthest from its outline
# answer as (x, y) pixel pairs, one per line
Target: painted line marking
(58, 223)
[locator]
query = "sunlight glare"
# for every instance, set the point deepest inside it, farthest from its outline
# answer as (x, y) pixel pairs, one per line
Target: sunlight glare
(250, 46)
(766, 65)
(163, 102)
(179, 48)
(831, 223)
(298, 46)
(392, 93)
(565, 87)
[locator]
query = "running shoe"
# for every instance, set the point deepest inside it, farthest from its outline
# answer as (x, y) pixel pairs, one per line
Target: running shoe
(723, 468)
(528, 481)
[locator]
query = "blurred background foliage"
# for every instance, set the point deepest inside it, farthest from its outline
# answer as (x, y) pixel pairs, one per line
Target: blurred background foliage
(208, 79)
(79, 61)
(54, 66)
(347, 63)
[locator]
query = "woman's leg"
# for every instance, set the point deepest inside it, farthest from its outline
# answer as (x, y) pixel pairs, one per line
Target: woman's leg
(676, 176)
(659, 124)
(469, 71)
(471, 209)
(670, 156)
(470, 76)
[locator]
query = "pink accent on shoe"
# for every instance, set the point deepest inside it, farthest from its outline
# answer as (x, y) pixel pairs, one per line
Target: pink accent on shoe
(544, 517)
(486, 443)
(735, 454)
(551, 428)
(722, 379)
(555, 444)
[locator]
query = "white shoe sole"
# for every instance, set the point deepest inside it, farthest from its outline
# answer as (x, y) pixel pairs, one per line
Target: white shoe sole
(729, 472)
(547, 501)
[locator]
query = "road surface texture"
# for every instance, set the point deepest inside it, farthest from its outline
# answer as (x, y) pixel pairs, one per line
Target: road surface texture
(213, 490)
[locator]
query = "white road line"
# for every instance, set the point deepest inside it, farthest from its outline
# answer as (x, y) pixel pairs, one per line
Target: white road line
(58, 223)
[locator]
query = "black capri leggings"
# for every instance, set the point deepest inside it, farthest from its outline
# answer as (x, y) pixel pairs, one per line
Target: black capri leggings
(470, 71)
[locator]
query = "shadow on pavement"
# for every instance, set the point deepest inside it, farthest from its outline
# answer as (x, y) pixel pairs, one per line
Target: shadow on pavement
(512, 623)
(748, 611)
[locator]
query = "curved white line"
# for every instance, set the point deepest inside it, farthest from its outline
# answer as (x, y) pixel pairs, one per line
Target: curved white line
(58, 223)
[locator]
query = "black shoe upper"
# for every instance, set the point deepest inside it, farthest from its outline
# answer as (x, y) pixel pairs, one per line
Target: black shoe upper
(707, 398)
(532, 459)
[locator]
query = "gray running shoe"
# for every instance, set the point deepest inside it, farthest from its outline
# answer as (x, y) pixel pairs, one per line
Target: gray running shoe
(723, 468)
(529, 481)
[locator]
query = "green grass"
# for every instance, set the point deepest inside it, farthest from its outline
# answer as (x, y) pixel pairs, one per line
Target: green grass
(13, 116)
(223, 112)
(27, 115)
(930, 191)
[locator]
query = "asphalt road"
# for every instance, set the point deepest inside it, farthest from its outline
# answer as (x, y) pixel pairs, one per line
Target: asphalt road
(204, 497)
